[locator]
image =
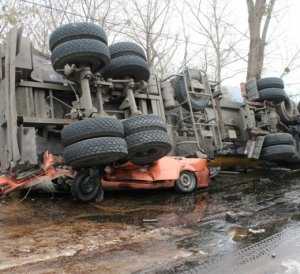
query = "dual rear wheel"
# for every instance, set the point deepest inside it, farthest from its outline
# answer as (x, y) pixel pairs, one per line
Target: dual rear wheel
(85, 45)
(281, 148)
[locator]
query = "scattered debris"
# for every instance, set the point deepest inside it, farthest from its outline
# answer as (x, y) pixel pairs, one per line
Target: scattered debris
(233, 217)
(256, 231)
(150, 220)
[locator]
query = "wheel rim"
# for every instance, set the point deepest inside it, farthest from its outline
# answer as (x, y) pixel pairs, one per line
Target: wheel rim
(187, 181)
(87, 185)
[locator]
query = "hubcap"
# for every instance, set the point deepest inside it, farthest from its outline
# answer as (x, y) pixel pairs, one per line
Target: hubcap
(187, 181)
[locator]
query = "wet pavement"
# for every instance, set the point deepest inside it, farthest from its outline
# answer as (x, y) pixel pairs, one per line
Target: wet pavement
(145, 231)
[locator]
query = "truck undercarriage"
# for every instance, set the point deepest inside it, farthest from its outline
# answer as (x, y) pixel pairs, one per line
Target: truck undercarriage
(39, 103)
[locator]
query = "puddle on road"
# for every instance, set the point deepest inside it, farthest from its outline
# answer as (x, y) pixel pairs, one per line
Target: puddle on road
(195, 224)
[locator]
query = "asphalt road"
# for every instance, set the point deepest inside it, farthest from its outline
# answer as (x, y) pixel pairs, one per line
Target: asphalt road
(153, 231)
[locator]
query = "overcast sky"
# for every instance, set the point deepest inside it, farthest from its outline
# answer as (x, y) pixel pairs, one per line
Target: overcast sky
(283, 41)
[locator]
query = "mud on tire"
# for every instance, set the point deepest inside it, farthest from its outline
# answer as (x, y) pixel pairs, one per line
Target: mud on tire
(91, 128)
(81, 52)
(95, 152)
(142, 123)
(146, 147)
(73, 31)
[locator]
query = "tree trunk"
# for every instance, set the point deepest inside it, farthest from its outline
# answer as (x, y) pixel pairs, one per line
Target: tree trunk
(257, 38)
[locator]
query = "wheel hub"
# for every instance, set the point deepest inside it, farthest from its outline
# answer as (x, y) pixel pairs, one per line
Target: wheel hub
(186, 180)
(88, 185)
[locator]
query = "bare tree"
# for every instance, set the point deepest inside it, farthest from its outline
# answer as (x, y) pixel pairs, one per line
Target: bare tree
(10, 16)
(259, 17)
(209, 22)
(292, 64)
(46, 16)
(147, 25)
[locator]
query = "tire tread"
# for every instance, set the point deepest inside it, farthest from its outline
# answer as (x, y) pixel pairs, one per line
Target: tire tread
(73, 31)
(91, 128)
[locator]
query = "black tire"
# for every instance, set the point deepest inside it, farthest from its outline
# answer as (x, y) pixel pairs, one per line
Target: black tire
(126, 48)
(73, 31)
(198, 103)
(127, 66)
(278, 153)
(186, 183)
(91, 128)
(270, 82)
(95, 152)
(85, 188)
(142, 123)
(295, 159)
(146, 147)
(279, 139)
(82, 52)
(275, 95)
(287, 112)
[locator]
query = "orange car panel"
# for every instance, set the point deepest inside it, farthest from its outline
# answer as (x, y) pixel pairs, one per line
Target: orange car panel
(161, 174)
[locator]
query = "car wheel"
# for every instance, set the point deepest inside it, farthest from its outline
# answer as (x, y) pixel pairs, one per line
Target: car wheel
(186, 183)
(85, 188)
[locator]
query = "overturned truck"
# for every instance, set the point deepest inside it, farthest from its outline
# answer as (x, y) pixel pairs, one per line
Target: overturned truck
(94, 105)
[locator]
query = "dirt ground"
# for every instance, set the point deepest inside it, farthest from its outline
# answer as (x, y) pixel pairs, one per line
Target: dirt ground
(144, 231)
